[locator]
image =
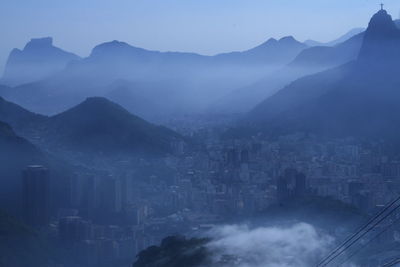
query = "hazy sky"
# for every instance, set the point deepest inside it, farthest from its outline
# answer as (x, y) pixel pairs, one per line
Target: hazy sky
(203, 26)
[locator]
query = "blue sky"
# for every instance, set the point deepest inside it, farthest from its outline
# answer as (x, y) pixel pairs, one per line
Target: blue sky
(203, 26)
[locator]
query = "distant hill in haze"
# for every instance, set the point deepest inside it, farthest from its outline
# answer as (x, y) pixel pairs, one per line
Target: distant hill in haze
(19, 118)
(308, 61)
(189, 81)
(357, 99)
(337, 41)
(322, 57)
(38, 60)
(96, 125)
(138, 97)
(94, 130)
(272, 51)
(99, 125)
(11, 143)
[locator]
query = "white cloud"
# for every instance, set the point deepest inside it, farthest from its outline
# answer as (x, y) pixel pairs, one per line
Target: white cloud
(294, 246)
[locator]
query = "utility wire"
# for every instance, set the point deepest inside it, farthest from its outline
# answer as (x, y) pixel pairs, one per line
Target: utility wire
(392, 263)
(362, 235)
(372, 239)
(357, 232)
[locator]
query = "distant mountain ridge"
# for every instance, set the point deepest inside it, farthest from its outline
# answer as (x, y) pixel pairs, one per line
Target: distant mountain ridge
(357, 99)
(18, 117)
(99, 125)
(337, 41)
(322, 57)
(94, 126)
(190, 81)
(381, 40)
(38, 60)
(158, 85)
(275, 51)
(308, 61)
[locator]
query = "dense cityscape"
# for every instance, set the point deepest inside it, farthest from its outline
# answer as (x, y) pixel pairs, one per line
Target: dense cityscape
(110, 217)
(286, 154)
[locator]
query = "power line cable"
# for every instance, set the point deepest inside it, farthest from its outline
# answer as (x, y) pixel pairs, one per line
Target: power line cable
(362, 235)
(348, 239)
(392, 263)
(372, 239)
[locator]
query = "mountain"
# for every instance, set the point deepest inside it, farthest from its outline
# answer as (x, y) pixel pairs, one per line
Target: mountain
(381, 42)
(273, 51)
(19, 118)
(190, 81)
(22, 143)
(39, 59)
(15, 147)
(308, 61)
(137, 97)
(337, 41)
(322, 57)
(98, 125)
(94, 126)
(357, 99)
(119, 60)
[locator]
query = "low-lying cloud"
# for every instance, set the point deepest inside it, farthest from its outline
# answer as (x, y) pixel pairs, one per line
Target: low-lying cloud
(294, 246)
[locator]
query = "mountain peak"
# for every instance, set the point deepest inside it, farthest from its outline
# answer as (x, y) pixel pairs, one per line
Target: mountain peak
(39, 59)
(39, 43)
(114, 43)
(382, 25)
(98, 104)
(113, 49)
(381, 39)
(98, 124)
(111, 45)
(288, 39)
(270, 41)
(96, 100)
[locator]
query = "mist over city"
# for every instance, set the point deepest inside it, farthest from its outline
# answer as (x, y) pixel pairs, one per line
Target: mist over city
(199, 134)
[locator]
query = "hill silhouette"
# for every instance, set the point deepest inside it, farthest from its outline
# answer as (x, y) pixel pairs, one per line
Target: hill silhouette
(272, 51)
(356, 99)
(309, 61)
(99, 125)
(190, 81)
(337, 41)
(19, 118)
(39, 59)
(96, 125)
